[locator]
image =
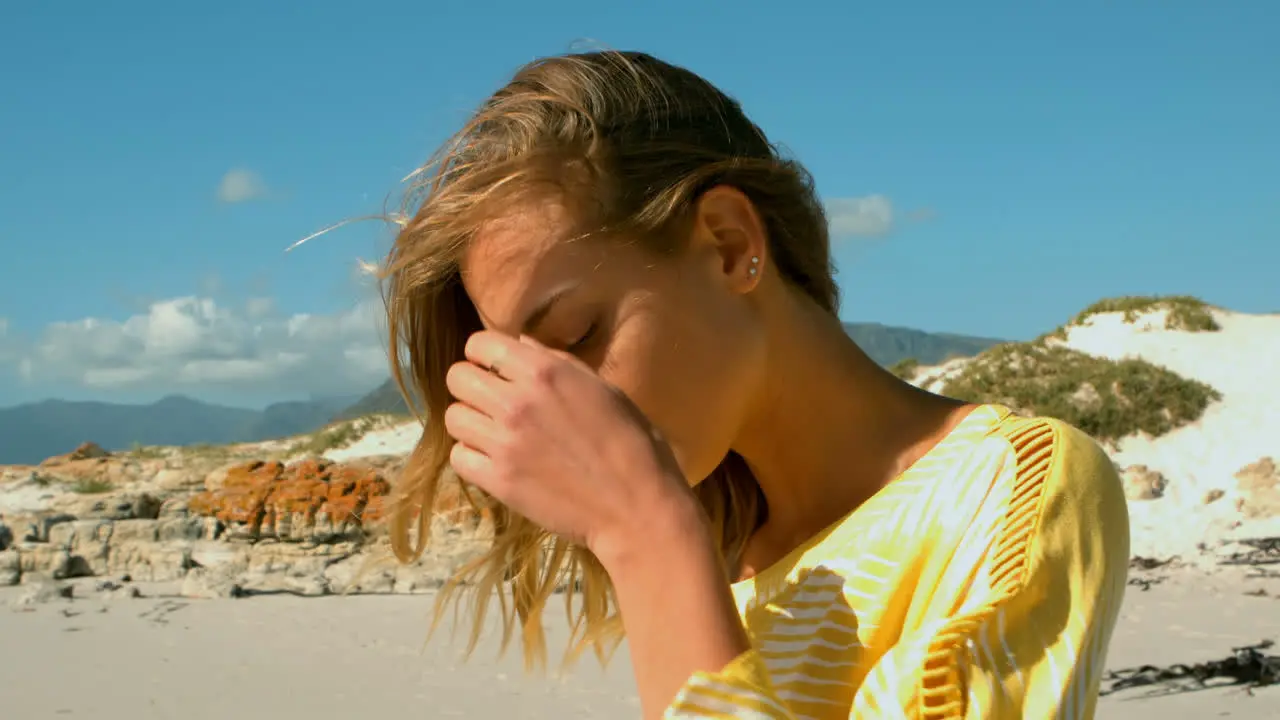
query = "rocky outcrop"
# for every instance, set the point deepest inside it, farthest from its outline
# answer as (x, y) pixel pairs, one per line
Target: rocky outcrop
(309, 527)
(1259, 485)
(310, 500)
(85, 451)
(1143, 483)
(1256, 495)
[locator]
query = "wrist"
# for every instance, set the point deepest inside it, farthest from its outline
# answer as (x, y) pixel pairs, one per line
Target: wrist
(673, 596)
(670, 529)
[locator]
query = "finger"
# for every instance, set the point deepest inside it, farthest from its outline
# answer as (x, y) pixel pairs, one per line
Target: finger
(563, 355)
(472, 466)
(530, 340)
(476, 387)
(468, 425)
(505, 355)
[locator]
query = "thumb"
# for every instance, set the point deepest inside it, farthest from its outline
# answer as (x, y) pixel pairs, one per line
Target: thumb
(530, 341)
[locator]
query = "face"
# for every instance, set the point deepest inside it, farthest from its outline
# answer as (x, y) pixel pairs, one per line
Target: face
(679, 334)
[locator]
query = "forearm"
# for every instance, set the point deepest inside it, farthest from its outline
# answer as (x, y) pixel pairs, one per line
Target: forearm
(676, 607)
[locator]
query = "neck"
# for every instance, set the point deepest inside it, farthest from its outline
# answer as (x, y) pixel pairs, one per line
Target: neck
(830, 428)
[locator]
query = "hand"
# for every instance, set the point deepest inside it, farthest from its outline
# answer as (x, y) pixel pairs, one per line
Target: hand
(542, 433)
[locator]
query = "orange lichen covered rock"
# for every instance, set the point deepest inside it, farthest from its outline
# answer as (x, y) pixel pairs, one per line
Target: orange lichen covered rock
(460, 505)
(242, 498)
(350, 492)
(375, 511)
(309, 499)
(319, 501)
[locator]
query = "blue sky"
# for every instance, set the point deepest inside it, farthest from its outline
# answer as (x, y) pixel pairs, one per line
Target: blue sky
(1000, 165)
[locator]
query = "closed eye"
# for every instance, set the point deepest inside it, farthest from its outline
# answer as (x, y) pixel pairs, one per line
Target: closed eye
(585, 338)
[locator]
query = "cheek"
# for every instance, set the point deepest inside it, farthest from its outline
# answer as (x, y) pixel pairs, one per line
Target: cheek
(689, 377)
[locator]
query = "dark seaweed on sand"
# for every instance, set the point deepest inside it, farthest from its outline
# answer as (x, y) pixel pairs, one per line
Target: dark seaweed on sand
(1248, 666)
(1266, 551)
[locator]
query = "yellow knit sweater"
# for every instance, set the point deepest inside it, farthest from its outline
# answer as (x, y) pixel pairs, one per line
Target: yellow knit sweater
(984, 582)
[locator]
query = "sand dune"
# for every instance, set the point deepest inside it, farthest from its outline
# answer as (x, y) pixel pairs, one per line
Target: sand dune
(1240, 362)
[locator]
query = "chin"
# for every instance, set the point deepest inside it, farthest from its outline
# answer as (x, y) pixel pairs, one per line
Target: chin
(696, 470)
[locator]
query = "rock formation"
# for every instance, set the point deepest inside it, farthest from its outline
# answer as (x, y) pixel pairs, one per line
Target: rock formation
(1259, 485)
(213, 529)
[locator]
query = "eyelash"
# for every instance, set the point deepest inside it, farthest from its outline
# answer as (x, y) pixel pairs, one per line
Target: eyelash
(586, 337)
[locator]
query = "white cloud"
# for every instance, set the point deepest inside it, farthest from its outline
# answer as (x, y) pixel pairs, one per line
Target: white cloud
(241, 185)
(7, 343)
(195, 345)
(867, 216)
(260, 307)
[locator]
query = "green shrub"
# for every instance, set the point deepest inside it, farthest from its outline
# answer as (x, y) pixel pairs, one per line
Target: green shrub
(1109, 399)
(207, 450)
(905, 368)
(90, 486)
(1186, 313)
(145, 452)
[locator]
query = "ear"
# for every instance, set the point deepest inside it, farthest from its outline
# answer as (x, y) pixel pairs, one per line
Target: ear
(727, 224)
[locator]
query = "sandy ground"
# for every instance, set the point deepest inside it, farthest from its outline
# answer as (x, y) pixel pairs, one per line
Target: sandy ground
(347, 657)
(397, 440)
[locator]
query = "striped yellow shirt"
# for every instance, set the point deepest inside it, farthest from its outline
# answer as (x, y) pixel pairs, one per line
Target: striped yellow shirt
(984, 582)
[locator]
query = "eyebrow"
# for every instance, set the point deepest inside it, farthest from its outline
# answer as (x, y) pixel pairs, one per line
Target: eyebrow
(540, 311)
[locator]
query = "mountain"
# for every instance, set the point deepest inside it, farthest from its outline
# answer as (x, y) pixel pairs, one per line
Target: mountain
(32, 432)
(385, 398)
(295, 418)
(885, 344)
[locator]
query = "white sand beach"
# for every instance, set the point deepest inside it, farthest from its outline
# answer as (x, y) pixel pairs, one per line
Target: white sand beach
(274, 657)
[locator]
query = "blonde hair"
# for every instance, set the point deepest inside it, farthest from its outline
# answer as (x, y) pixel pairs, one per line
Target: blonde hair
(627, 142)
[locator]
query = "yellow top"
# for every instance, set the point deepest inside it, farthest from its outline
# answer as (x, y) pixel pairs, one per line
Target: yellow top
(984, 582)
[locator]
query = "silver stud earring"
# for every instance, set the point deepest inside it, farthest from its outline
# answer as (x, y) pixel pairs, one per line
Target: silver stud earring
(755, 265)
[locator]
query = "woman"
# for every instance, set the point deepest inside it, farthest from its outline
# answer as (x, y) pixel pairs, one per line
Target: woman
(615, 300)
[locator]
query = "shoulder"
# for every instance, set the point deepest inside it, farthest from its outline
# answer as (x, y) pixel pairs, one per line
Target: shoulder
(1054, 459)
(1067, 514)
